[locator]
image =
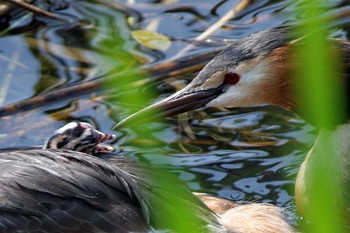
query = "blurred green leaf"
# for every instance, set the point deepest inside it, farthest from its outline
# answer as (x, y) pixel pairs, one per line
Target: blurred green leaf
(178, 209)
(151, 40)
(322, 99)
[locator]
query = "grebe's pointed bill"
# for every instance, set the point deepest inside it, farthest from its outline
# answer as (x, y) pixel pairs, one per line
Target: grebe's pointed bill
(180, 102)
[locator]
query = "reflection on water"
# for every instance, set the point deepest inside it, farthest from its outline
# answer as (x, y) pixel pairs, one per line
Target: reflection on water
(246, 154)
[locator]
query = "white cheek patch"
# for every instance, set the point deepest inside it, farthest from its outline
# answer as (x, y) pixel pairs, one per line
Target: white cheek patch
(242, 93)
(229, 99)
(254, 72)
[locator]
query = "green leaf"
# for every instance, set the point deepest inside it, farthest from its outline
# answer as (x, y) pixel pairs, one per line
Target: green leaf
(151, 40)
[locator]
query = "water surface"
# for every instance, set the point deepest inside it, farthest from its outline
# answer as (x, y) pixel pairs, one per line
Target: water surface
(244, 154)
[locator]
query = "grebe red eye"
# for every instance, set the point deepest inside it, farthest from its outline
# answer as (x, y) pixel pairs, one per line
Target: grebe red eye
(232, 78)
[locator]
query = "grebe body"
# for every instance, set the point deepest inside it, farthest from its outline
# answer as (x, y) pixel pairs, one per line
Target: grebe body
(259, 70)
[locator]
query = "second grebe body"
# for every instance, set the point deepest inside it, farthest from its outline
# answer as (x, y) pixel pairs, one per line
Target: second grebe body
(61, 189)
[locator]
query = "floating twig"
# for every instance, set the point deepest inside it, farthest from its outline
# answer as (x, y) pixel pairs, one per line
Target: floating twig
(37, 10)
(157, 72)
(224, 19)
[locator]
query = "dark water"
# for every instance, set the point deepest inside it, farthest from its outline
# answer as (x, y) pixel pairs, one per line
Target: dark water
(245, 154)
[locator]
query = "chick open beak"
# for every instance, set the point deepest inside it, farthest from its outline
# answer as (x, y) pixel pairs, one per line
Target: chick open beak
(180, 102)
(101, 137)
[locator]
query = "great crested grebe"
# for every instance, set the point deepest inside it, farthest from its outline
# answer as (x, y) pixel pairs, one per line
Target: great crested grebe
(60, 189)
(259, 70)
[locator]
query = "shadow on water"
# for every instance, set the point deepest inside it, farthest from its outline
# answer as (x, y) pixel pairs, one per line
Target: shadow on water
(247, 154)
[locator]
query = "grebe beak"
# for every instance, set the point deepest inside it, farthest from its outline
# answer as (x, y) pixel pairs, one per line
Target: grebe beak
(180, 102)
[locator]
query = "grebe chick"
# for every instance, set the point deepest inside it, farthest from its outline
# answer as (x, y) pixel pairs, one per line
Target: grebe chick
(79, 136)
